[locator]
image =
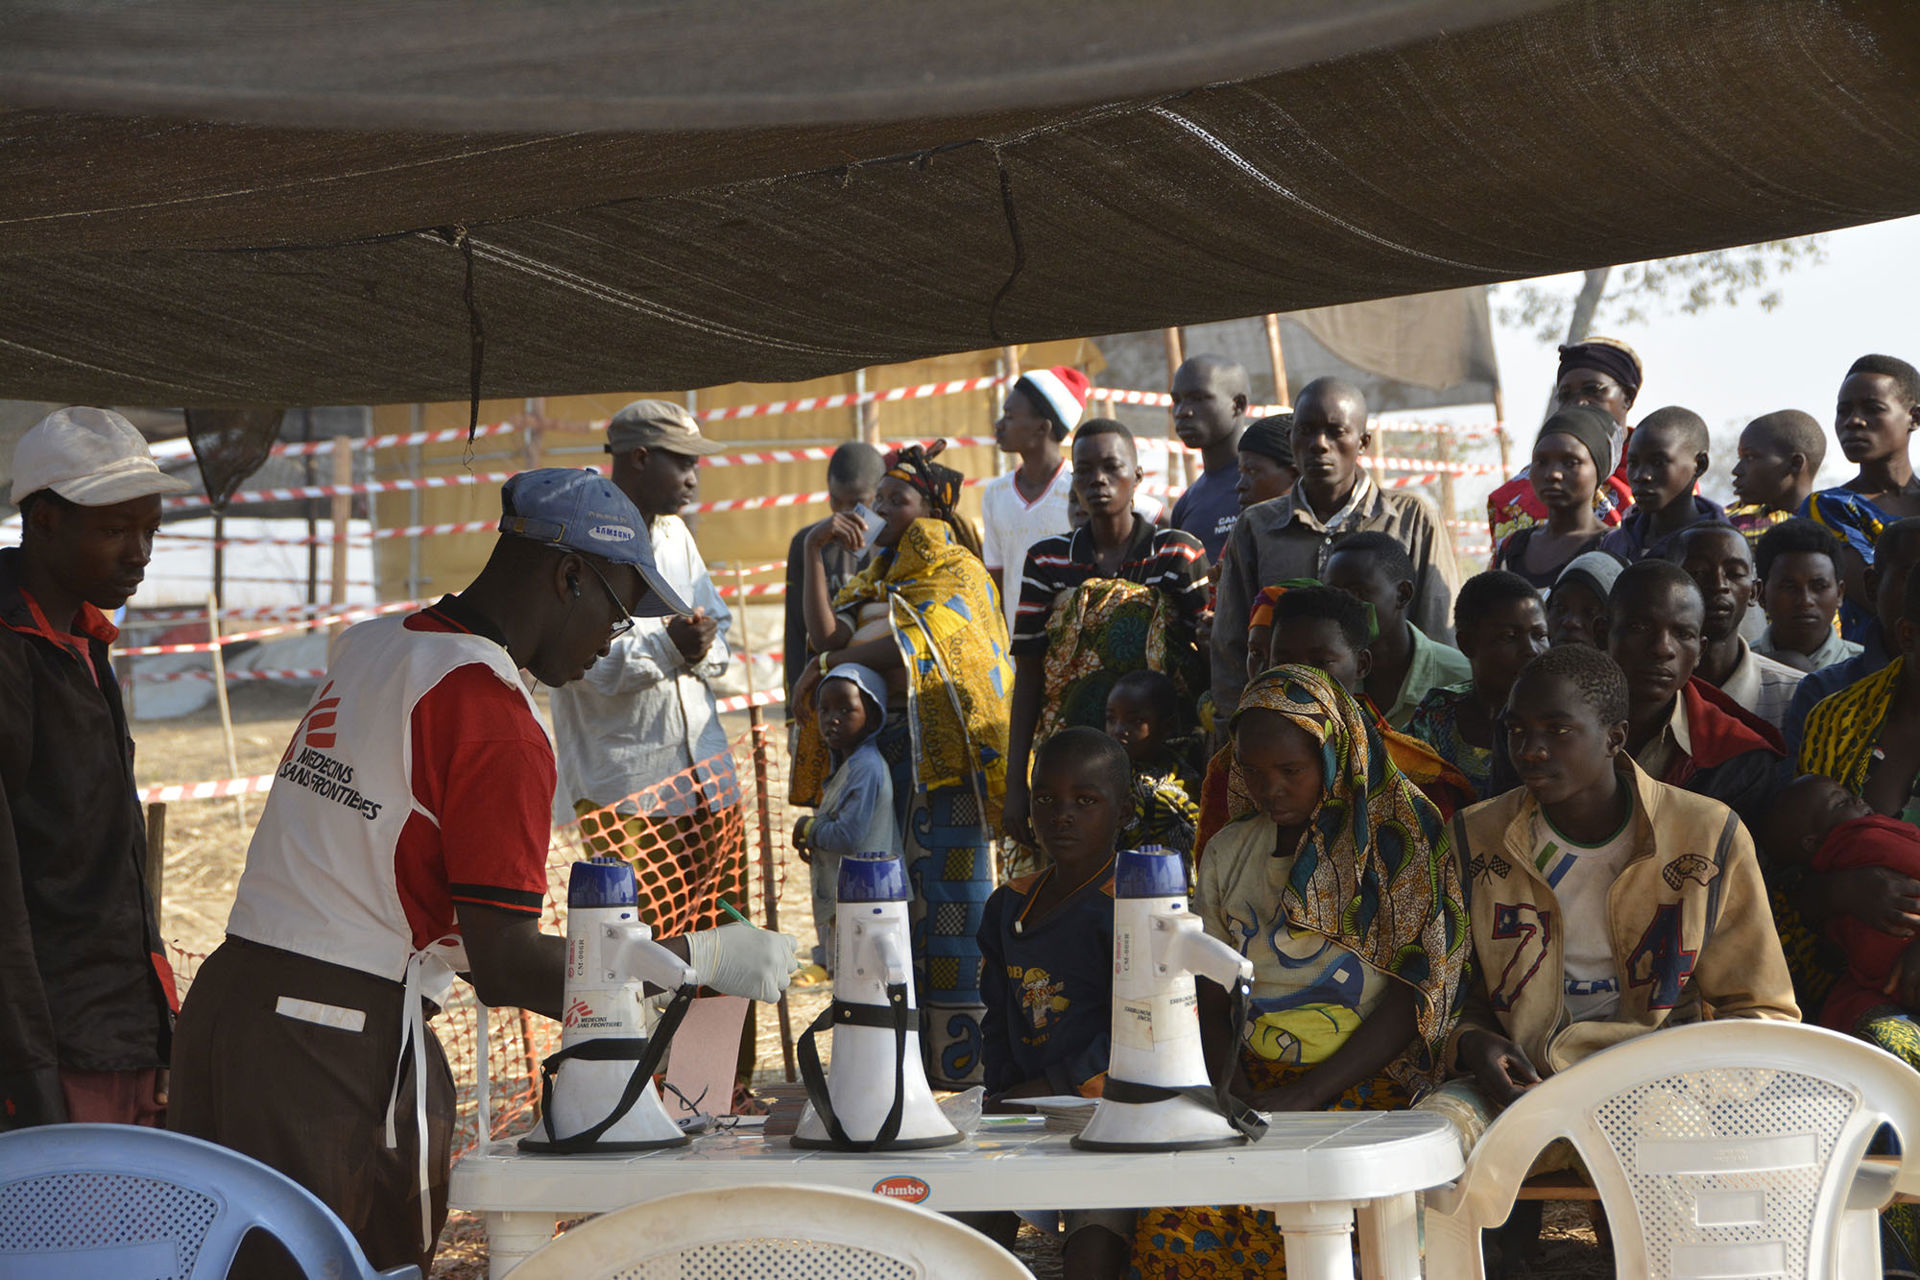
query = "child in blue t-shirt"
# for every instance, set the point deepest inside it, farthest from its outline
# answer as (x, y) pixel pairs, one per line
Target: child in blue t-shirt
(1046, 942)
(856, 813)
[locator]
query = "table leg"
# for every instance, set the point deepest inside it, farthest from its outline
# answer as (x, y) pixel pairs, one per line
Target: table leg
(1390, 1239)
(513, 1235)
(1319, 1239)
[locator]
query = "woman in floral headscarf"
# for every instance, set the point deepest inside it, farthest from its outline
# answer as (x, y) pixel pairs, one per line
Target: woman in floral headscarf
(1336, 878)
(923, 614)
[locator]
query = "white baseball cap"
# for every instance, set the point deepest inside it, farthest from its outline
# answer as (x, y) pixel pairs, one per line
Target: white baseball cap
(93, 457)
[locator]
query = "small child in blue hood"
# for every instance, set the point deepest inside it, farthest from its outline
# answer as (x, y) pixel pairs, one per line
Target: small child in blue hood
(856, 813)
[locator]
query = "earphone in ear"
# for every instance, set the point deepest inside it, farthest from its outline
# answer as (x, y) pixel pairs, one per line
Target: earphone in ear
(573, 585)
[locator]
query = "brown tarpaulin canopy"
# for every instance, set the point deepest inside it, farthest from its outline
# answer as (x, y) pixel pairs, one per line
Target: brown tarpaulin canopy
(892, 181)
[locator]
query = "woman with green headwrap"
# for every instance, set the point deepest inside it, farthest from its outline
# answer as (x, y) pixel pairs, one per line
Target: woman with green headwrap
(1336, 877)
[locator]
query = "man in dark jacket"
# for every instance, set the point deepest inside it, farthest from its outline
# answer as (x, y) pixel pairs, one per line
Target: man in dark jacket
(1680, 729)
(86, 995)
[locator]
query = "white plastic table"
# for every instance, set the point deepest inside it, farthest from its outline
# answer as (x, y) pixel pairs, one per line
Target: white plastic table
(1315, 1171)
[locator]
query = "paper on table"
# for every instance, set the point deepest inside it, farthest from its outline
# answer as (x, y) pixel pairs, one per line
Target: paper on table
(704, 1056)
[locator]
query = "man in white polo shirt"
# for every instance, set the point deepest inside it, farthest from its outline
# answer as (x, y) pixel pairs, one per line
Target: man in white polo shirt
(1029, 502)
(405, 841)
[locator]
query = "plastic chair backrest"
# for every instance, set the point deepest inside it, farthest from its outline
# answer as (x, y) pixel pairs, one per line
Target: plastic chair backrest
(108, 1201)
(1718, 1149)
(773, 1232)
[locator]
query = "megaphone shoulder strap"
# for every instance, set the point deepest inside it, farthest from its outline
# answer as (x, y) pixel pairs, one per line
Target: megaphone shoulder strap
(1250, 1124)
(648, 1051)
(896, 1015)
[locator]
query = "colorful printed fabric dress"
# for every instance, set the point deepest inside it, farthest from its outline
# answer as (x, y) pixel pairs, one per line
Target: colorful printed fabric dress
(1369, 898)
(1841, 740)
(947, 750)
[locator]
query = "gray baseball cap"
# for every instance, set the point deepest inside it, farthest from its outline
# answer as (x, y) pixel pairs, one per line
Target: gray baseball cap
(583, 511)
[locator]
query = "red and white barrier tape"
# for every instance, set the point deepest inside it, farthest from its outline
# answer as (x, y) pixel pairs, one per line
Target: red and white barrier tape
(253, 786)
(447, 435)
(848, 399)
(765, 698)
(206, 790)
(809, 404)
(309, 492)
(207, 539)
(167, 677)
(160, 617)
(305, 492)
(357, 614)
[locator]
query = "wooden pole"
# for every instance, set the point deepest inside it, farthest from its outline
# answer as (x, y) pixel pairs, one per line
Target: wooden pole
(220, 557)
(769, 889)
(1448, 514)
(1176, 340)
(1176, 356)
(418, 416)
(220, 697)
(1010, 358)
(866, 414)
(313, 521)
(1282, 394)
(1500, 432)
(339, 518)
(156, 869)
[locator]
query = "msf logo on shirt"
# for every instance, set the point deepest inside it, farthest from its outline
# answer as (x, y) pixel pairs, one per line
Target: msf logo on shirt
(308, 764)
(316, 727)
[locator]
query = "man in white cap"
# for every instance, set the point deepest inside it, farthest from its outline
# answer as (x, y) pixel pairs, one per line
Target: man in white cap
(1029, 502)
(405, 840)
(641, 733)
(86, 996)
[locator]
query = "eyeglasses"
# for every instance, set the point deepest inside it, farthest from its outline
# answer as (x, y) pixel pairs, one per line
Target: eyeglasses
(624, 622)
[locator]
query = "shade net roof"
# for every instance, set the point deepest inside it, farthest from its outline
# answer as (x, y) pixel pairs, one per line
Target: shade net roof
(216, 204)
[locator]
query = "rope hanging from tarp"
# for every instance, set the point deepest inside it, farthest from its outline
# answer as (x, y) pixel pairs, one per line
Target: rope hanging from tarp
(458, 237)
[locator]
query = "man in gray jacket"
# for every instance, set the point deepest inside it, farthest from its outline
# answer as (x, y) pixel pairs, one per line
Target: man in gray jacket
(1292, 537)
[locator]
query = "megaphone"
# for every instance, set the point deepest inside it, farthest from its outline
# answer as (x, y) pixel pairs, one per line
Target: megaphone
(1157, 1096)
(878, 1098)
(597, 1092)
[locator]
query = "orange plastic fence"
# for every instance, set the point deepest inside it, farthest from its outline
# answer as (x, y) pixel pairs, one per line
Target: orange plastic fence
(685, 865)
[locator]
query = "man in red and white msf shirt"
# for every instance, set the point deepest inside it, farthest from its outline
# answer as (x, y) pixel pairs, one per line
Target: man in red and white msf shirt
(405, 841)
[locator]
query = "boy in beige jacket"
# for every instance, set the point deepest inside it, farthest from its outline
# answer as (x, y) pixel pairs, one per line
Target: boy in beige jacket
(1603, 904)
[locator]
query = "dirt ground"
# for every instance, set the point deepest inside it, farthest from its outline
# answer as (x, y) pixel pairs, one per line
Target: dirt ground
(206, 844)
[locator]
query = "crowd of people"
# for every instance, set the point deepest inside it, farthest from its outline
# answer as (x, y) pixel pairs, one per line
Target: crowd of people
(1573, 775)
(1649, 766)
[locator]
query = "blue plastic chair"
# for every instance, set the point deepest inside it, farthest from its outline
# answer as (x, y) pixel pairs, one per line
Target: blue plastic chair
(112, 1201)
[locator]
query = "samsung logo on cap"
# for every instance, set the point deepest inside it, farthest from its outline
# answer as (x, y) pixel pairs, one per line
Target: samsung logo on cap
(610, 533)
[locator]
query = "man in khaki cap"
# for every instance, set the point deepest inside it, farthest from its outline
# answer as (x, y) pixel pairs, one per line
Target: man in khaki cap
(86, 996)
(641, 733)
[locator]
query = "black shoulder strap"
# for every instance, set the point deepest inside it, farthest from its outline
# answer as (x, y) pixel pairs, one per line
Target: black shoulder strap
(895, 1015)
(1250, 1124)
(644, 1053)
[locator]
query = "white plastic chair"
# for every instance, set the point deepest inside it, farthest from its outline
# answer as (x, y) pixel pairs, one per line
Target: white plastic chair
(1719, 1149)
(772, 1232)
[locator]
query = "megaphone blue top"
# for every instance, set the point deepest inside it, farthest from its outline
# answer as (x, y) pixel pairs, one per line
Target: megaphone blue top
(601, 882)
(872, 877)
(1149, 873)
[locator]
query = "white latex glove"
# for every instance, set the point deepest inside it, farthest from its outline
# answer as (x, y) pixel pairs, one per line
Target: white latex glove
(740, 960)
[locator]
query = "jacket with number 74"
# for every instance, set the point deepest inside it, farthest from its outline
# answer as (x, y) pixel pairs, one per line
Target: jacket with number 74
(1692, 933)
